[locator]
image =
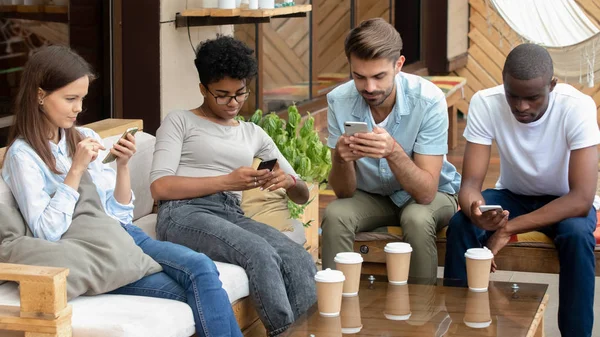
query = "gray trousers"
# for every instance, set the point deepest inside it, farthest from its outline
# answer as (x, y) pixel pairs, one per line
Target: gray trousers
(365, 212)
(280, 271)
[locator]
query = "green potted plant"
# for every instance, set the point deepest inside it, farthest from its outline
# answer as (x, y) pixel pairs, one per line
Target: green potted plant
(301, 146)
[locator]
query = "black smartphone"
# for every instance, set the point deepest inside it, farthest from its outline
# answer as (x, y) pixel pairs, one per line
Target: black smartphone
(267, 164)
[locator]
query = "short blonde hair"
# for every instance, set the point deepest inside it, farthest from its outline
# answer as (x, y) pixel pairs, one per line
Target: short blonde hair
(374, 39)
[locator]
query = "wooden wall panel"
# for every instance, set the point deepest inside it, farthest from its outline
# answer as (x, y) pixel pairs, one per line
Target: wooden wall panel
(490, 41)
(367, 9)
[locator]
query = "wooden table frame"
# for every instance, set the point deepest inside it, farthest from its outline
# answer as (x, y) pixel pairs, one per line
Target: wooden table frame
(453, 118)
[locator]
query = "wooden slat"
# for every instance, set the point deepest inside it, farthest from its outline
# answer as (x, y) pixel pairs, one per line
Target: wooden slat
(495, 20)
(110, 126)
(494, 36)
(592, 11)
(480, 73)
(472, 81)
(196, 12)
(219, 12)
(484, 61)
(489, 48)
(276, 42)
(276, 11)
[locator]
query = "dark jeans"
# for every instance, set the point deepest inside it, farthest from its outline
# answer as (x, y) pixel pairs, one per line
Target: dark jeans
(574, 240)
(187, 276)
(280, 271)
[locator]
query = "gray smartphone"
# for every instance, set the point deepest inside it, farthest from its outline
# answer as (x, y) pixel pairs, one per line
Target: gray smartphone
(111, 157)
(485, 208)
(351, 128)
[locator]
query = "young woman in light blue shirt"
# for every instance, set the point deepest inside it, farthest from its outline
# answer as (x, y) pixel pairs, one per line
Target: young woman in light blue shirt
(45, 161)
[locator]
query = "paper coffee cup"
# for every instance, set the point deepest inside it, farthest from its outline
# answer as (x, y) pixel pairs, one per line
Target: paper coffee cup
(329, 292)
(479, 263)
(397, 259)
(350, 313)
(350, 264)
(477, 311)
(397, 303)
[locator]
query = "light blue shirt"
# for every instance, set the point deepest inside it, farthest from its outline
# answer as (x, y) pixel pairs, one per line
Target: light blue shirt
(47, 204)
(418, 122)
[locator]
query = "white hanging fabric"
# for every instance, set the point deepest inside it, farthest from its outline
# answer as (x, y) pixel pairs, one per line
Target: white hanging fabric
(560, 26)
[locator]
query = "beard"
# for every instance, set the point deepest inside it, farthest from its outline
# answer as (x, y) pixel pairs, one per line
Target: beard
(379, 96)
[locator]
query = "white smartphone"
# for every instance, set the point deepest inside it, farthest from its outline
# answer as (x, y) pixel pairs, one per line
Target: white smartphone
(485, 208)
(351, 128)
(111, 157)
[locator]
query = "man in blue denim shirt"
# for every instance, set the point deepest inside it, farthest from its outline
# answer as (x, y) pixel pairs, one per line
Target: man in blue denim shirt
(397, 174)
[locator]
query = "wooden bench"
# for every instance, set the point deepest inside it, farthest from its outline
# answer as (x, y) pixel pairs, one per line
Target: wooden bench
(513, 257)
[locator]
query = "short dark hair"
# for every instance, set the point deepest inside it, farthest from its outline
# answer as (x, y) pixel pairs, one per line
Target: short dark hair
(374, 39)
(223, 57)
(528, 61)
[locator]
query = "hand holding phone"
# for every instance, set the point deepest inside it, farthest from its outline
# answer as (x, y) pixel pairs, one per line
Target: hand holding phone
(351, 128)
(111, 157)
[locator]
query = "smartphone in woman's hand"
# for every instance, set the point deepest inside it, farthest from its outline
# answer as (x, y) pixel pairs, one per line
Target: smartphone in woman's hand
(111, 157)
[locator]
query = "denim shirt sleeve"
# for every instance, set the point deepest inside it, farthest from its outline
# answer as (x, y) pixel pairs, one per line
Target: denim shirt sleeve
(432, 138)
(105, 179)
(332, 125)
(48, 216)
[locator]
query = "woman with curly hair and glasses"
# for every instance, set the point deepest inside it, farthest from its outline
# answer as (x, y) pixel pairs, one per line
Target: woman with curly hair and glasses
(201, 166)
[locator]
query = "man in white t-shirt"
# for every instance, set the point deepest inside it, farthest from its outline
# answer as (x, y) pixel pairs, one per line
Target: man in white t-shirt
(546, 134)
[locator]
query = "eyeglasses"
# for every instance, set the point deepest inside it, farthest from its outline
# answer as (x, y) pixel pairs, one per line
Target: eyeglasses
(224, 100)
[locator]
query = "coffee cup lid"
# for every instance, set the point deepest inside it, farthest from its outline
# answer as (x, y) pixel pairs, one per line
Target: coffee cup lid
(348, 258)
(349, 331)
(398, 247)
(479, 254)
(397, 317)
(478, 325)
(330, 276)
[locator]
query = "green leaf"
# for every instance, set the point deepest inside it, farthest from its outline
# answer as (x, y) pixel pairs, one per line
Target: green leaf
(256, 117)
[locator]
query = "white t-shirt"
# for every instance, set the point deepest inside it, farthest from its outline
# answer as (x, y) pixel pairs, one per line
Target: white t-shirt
(534, 157)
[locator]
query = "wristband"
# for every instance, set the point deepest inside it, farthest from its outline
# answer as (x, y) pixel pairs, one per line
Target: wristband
(294, 179)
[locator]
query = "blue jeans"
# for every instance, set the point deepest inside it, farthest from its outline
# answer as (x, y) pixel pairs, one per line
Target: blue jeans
(187, 276)
(573, 238)
(280, 271)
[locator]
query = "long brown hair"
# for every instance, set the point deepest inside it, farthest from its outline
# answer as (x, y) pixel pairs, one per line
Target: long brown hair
(50, 68)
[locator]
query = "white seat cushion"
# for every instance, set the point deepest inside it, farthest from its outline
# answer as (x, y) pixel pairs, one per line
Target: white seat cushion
(234, 278)
(121, 315)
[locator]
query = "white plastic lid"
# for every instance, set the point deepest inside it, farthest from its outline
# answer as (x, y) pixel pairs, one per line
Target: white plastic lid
(349, 331)
(398, 247)
(330, 276)
(479, 254)
(397, 317)
(478, 325)
(348, 258)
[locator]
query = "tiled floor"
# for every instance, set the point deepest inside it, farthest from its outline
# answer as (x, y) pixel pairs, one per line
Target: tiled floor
(550, 318)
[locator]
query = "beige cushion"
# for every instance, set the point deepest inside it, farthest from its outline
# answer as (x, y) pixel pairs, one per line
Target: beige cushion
(267, 207)
(99, 253)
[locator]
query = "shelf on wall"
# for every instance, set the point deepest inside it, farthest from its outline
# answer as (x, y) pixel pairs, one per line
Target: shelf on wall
(37, 13)
(217, 16)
